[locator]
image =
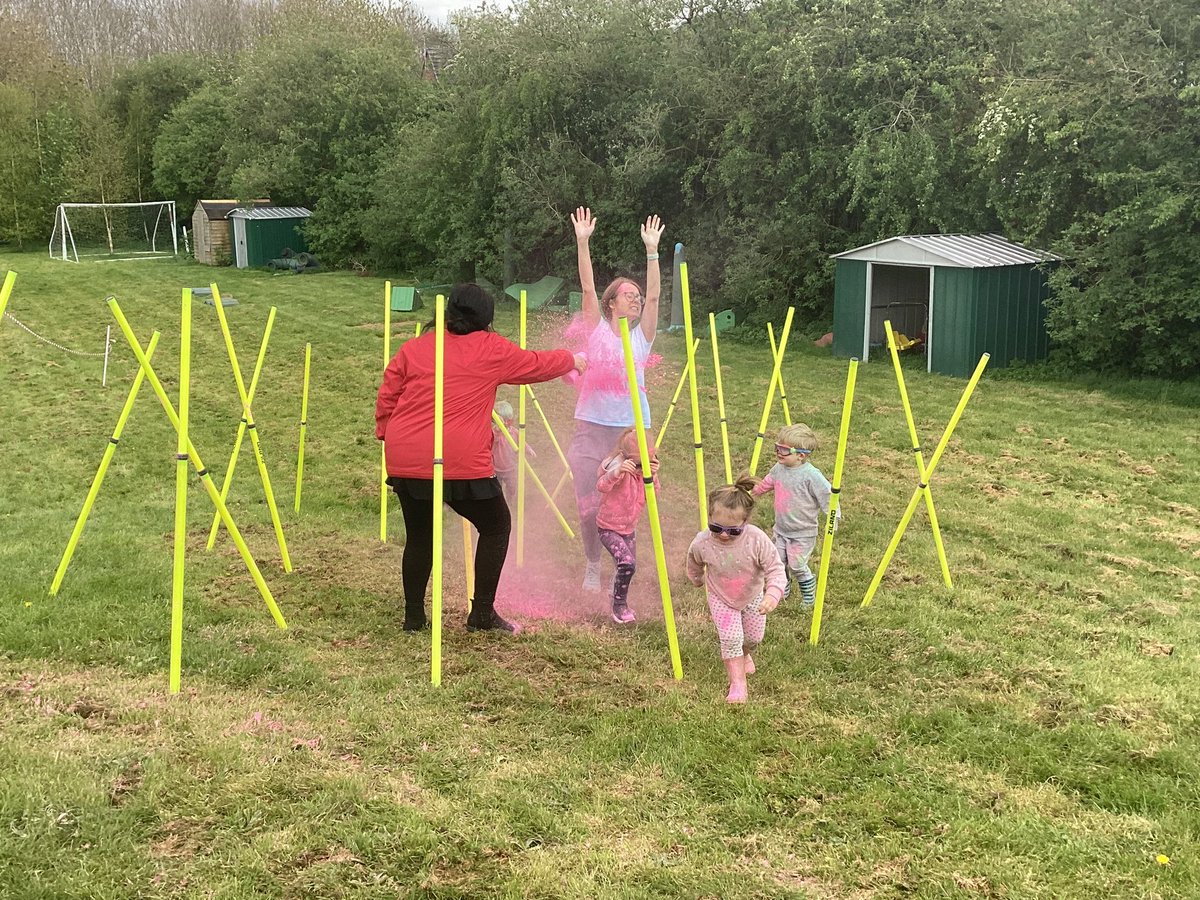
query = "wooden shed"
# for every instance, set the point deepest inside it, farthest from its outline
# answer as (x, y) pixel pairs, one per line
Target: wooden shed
(958, 295)
(212, 241)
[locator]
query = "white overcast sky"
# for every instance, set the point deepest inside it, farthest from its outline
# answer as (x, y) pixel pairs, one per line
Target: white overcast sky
(439, 10)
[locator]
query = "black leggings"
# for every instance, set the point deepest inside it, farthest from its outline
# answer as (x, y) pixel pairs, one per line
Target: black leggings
(490, 518)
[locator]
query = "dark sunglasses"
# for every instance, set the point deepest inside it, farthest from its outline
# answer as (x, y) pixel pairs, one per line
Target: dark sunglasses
(731, 530)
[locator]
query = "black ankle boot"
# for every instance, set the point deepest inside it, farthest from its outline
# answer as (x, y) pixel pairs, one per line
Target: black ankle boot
(483, 617)
(415, 620)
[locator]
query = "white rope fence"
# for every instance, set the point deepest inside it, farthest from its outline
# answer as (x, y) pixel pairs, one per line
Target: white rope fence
(108, 342)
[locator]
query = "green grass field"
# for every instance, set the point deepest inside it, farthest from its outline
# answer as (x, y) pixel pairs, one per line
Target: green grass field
(1032, 733)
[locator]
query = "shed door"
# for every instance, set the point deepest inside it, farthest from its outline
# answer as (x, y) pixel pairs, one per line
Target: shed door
(239, 243)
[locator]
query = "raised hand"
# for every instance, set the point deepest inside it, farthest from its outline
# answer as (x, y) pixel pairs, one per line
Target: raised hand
(651, 232)
(584, 223)
(629, 467)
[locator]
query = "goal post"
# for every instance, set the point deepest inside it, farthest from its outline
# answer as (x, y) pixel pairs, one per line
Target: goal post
(113, 231)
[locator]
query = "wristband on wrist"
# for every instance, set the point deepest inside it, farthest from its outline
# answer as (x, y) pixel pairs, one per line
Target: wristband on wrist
(650, 257)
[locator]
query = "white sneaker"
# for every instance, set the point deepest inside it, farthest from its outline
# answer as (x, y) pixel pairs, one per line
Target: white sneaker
(591, 577)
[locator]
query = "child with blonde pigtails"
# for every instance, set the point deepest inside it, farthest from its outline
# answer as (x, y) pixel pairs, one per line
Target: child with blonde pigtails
(802, 495)
(738, 565)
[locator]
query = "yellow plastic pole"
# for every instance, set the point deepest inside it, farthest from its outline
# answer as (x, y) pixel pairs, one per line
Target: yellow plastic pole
(235, 453)
(198, 464)
(98, 480)
(916, 497)
(387, 358)
(814, 633)
(687, 367)
(660, 557)
(537, 482)
(5, 292)
(181, 480)
(417, 331)
(712, 329)
(521, 447)
(255, 440)
(439, 402)
(303, 425)
(696, 439)
(468, 563)
(766, 414)
(918, 456)
(787, 412)
(550, 431)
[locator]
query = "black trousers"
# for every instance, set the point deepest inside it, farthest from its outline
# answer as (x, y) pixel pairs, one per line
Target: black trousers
(490, 518)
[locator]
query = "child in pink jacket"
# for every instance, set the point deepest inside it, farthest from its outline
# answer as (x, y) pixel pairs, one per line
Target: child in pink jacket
(622, 488)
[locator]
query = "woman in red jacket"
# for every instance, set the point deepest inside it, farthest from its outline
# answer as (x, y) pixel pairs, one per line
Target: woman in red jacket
(477, 360)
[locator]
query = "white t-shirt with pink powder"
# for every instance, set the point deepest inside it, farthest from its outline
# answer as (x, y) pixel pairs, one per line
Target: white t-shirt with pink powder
(604, 388)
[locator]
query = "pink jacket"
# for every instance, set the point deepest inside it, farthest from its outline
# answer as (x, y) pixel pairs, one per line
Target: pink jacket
(622, 496)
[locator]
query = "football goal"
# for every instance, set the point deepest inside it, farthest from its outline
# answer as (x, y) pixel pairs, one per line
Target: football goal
(111, 231)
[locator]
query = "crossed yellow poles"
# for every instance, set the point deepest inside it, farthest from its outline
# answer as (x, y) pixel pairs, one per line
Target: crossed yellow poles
(775, 380)
(185, 452)
(922, 489)
(247, 424)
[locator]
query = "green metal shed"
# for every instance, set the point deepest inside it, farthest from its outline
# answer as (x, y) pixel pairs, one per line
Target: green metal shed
(963, 295)
(262, 233)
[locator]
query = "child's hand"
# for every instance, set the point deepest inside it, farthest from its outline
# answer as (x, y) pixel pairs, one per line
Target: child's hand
(653, 467)
(768, 604)
(651, 233)
(583, 222)
(629, 467)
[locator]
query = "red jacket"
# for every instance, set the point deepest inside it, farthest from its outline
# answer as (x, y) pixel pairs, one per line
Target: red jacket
(476, 364)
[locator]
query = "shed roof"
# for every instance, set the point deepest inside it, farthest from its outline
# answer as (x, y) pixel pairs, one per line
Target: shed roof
(220, 209)
(272, 212)
(964, 251)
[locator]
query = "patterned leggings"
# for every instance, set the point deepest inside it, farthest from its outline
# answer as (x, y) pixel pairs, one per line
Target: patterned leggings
(623, 548)
(737, 629)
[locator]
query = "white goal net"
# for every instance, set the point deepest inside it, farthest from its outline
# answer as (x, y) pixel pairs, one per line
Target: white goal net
(110, 231)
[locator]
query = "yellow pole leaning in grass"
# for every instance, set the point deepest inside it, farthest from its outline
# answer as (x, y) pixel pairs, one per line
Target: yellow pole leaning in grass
(234, 454)
(696, 439)
(198, 464)
(550, 431)
(537, 482)
(5, 292)
(303, 425)
(814, 633)
(98, 480)
(181, 480)
(521, 447)
(921, 488)
(787, 412)
(255, 439)
(683, 376)
(387, 358)
(918, 456)
(712, 328)
(775, 375)
(660, 557)
(439, 403)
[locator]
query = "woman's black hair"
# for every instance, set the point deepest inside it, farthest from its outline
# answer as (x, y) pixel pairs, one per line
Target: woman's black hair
(470, 308)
